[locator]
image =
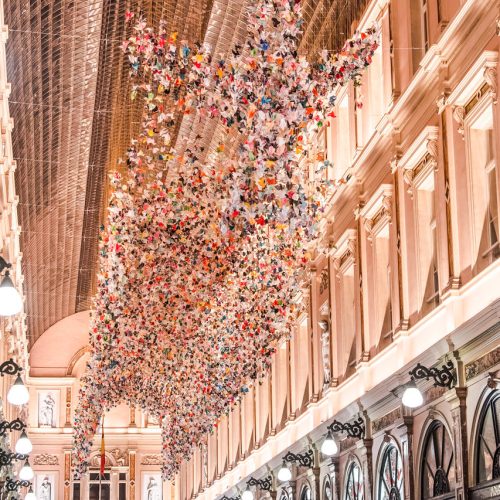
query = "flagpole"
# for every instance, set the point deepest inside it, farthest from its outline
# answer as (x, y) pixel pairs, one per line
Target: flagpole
(103, 457)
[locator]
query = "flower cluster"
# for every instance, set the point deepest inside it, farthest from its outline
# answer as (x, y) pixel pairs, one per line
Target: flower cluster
(202, 252)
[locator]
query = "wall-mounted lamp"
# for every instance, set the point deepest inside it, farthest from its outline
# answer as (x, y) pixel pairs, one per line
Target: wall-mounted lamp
(18, 395)
(262, 484)
(329, 446)
(30, 495)
(10, 300)
(443, 377)
(23, 444)
(26, 473)
(304, 459)
(356, 429)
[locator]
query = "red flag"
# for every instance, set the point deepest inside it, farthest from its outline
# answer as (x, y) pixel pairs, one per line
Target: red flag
(103, 454)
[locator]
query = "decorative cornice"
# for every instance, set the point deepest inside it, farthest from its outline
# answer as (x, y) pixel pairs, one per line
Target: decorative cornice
(479, 73)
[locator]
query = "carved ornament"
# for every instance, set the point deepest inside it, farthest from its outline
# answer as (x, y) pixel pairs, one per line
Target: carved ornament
(324, 281)
(151, 460)
(45, 459)
(459, 116)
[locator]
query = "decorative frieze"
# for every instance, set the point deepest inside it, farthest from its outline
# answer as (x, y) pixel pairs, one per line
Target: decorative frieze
(387, 420)
(154, 459)
(482, 364)
(45, 459)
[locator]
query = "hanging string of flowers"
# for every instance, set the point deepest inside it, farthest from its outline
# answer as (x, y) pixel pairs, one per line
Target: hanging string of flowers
(201, 256)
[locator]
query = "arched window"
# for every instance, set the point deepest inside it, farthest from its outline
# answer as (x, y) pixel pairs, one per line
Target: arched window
(306, 493)
(284, 495)
(390, 482)
(437, 466)
(488, 441)
(327, 489)
(354, 483)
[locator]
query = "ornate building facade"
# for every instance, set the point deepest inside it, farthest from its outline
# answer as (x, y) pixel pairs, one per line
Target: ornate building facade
(405, 271)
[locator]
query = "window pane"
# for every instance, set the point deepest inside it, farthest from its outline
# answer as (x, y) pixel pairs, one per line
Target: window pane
(488, 440)
(94, 491)
(76, 491)
(122, 493)
(105, 491)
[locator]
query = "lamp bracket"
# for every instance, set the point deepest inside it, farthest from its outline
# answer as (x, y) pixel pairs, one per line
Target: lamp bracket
(11, 485)
(4, 264)
(304, 459)
(14, 425)
(263, 484)
(7, 458)
(443, 377)
(355, 430)
(10, 367)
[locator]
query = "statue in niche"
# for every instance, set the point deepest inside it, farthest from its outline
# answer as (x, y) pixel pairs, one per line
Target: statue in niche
(153, 489)
(205, 465)
(45, 489)
(46, 410)
(325, 350)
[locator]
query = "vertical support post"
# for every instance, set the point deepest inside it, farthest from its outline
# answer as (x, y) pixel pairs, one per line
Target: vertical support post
(365, 446)
(404, 432)
(132, 472)
(67, 474)
(68, 407)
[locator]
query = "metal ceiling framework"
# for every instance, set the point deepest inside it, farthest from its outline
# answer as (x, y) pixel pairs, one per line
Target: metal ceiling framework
(74, 119)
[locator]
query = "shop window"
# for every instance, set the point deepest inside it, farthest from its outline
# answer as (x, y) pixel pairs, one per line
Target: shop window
(437, 464)
(390, 486)
(482, 171)
(488, 441)
(284, 496)
(354, 483)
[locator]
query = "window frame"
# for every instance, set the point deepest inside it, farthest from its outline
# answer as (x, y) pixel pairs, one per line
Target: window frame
(351, 465)
(428, 439)
(306, 488)
(327, 482)
(477, 110)
(487, 406)
(381, 469)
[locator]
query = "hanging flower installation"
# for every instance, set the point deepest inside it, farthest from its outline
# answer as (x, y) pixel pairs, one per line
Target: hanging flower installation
(201, 256)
